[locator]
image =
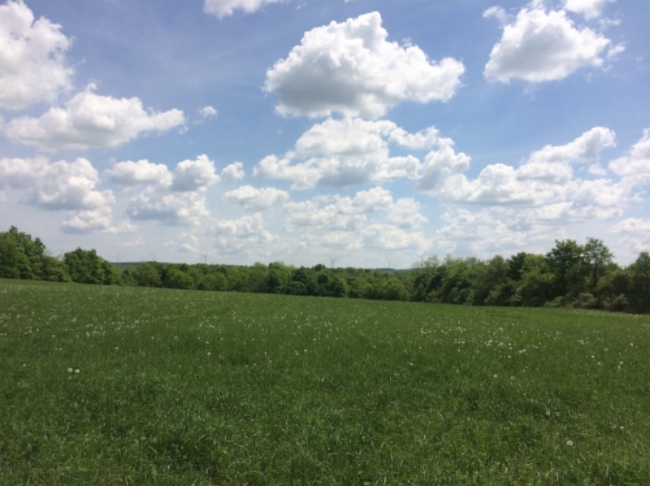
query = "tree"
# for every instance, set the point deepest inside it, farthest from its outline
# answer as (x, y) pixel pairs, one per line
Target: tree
(566, 263)
(394, 289)
(177, 279)
(85, 266)
(598, 258)
(147, 275)
(640, 284)
(516, 266)
(536, 285)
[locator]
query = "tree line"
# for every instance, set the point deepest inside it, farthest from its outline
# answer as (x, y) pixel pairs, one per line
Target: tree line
(570, 275)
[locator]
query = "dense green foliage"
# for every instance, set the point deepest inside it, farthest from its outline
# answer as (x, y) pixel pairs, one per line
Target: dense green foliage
(107, 385)
(570, 275)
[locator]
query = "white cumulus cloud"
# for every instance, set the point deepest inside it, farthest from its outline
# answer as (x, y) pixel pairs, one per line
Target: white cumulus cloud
(90, 120)
(223, 8)
(583, 149)
(191, 175)
(544, 46)
(32, 58)
(358, 221)
(55, 185)
(208, 112)
(590, 9)
(254, 199)
(233, 172)
(129, 173)
(173, 198)
(352, 151)
(88, 221)
(171, 208)
(246, 232)
(635, 166)
(351, 68)
(546, 179)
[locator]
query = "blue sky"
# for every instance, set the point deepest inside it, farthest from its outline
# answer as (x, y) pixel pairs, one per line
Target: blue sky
(303, 130)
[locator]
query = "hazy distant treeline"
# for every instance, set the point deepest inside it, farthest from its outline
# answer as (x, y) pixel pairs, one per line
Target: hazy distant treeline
(570, 274)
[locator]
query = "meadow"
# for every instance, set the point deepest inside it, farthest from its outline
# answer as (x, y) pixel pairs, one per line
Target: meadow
(131, 386)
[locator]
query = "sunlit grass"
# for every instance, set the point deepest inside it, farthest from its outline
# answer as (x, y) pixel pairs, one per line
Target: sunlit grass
(109, 385)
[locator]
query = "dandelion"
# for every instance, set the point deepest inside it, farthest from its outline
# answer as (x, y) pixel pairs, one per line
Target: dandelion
(569, 443)
(548, 413)
(209, 353)
(622, 428)
(76, 372)
(495, 376)
(69, 370)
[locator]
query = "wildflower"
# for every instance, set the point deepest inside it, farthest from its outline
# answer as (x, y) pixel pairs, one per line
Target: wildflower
(76, 372)
(495, 376)
(69, 370)
(209, 353)
(569, 443)
(622, 428)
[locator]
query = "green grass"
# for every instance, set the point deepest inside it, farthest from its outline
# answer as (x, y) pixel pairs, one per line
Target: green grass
(181, 387)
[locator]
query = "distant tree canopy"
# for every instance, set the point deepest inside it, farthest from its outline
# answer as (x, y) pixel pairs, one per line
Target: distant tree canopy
(26, 258)
(570, 274)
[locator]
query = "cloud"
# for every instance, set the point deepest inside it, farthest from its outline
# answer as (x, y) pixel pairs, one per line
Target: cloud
(440, 166)
(390, 237)
(634, 233)
(32, 58)
(544, 178)
(171, 208)
(487, 232)
(173, 198)
(223, 8)
(498, 13)
(131, 173)
(350, 68)
(90, 120)
(543, 46)
(352, 151)
(246, 232)
(633, 226)
(583, 149)
(122, 229)
(191, 175)
(253, 199)
(335, 214)
(88, 221)
(131, 244)
(635, 166)
(590, 9)
(55, 185)
(187, 248)
(208, 112)
(233, 172)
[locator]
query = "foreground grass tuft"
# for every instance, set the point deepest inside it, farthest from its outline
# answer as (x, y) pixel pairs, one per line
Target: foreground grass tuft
(109, 385)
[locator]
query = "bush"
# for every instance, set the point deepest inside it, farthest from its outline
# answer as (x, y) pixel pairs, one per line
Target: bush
(586, 301)
(618, 304)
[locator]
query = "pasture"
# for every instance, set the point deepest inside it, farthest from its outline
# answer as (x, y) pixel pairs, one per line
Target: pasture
(132, 386)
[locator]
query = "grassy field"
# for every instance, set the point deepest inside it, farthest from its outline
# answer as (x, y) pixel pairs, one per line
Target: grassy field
(109, 385)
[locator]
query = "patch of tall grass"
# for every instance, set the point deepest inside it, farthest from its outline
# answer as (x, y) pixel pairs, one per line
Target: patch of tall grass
(111, 385)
